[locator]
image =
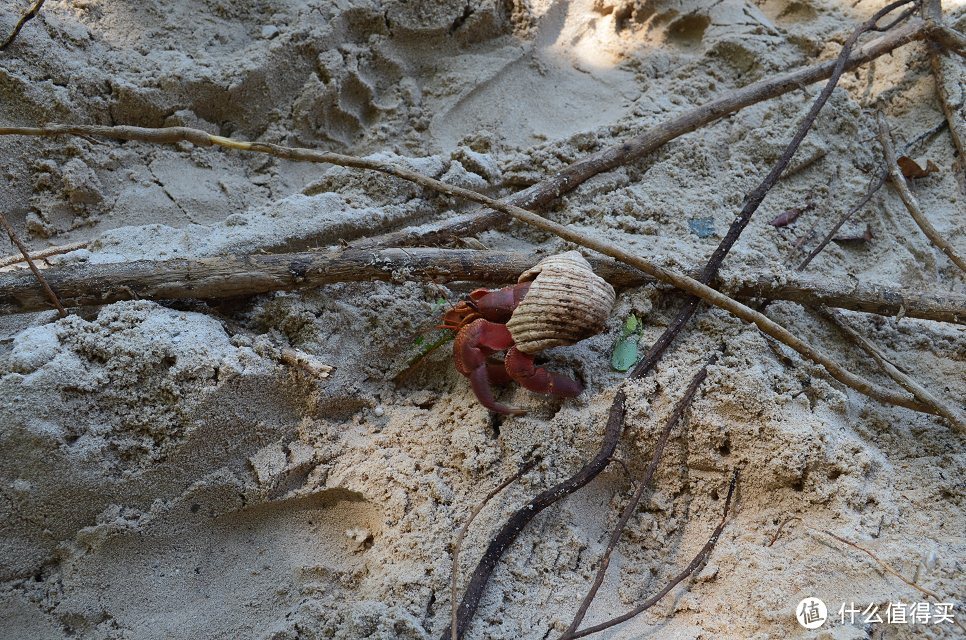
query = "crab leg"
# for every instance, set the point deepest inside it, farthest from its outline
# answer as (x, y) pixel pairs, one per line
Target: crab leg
(521, 368)
(473, 345)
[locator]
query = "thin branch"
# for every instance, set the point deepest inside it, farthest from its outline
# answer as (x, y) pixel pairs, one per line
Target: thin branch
(950, 39)
(43, 253)
(909, 199)
(529, 464)
(232, 276)
(905, 381)
(781, 526)
(939, 59)
(546, 191)
(695, 564)
(880, 179)
(40, 277)
(645, 483)
(941, 69)
(29, 15)
(886, 567)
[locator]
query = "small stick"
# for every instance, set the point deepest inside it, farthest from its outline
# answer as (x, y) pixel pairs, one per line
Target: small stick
(232, 276)
(631, 506)
(880, 179)
(24, 19)
(881, 563)
(908, 199)
(454, 595)
(950, 39)
(40, 277)
(699, 559)
(940, 67)
(932, 13)
(907, 382)
(43, 253)
(306, 362)
(781, 526)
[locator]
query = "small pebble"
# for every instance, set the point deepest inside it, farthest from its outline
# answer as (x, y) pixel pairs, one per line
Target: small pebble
(379, 411)
(269, 31)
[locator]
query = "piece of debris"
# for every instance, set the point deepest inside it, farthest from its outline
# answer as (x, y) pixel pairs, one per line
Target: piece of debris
(306, 362)
(854, 234)
(702, 227)
(791, 215)
(916, 168)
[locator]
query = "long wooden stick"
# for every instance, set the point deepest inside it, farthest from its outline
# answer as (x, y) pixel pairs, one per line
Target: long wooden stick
(246, 275)
(546, 191)
(909, 199)
(906, 381)
(28, 15)
(535, 196)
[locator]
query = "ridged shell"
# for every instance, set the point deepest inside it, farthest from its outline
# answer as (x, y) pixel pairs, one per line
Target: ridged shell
(567, 302)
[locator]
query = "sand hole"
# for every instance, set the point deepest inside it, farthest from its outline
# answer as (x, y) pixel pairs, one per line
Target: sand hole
(687, 31)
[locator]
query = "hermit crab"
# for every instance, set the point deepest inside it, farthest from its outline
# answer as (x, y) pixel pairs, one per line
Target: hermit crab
(559, 301)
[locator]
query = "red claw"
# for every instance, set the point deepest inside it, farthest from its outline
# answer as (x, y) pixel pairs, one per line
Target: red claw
(481, 332)
(472, 347)
(495, 306)
(521, 368)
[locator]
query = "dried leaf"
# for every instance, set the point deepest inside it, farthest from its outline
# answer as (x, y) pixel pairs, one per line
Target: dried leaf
(787, 217)
(854, 234)
(625, 353)
(916, 168)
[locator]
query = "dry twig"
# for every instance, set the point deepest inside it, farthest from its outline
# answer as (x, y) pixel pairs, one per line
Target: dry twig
(29, 15)
(909, 199)
(40, 277)
(458, 543)
(631, 506)
(885, 566)
(942, 67)
(904, 380)
(695, 564)
(880, 179)
(232, 276)
(42, 253)
(781, 526)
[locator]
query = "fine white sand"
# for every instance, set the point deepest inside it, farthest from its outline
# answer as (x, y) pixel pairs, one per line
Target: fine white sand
(164, 474)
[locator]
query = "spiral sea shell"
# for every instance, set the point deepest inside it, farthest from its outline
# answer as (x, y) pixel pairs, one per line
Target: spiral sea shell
(567, 302)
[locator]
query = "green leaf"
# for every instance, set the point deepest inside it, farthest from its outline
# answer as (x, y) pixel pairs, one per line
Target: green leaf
(625, 353)
(631, 324)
